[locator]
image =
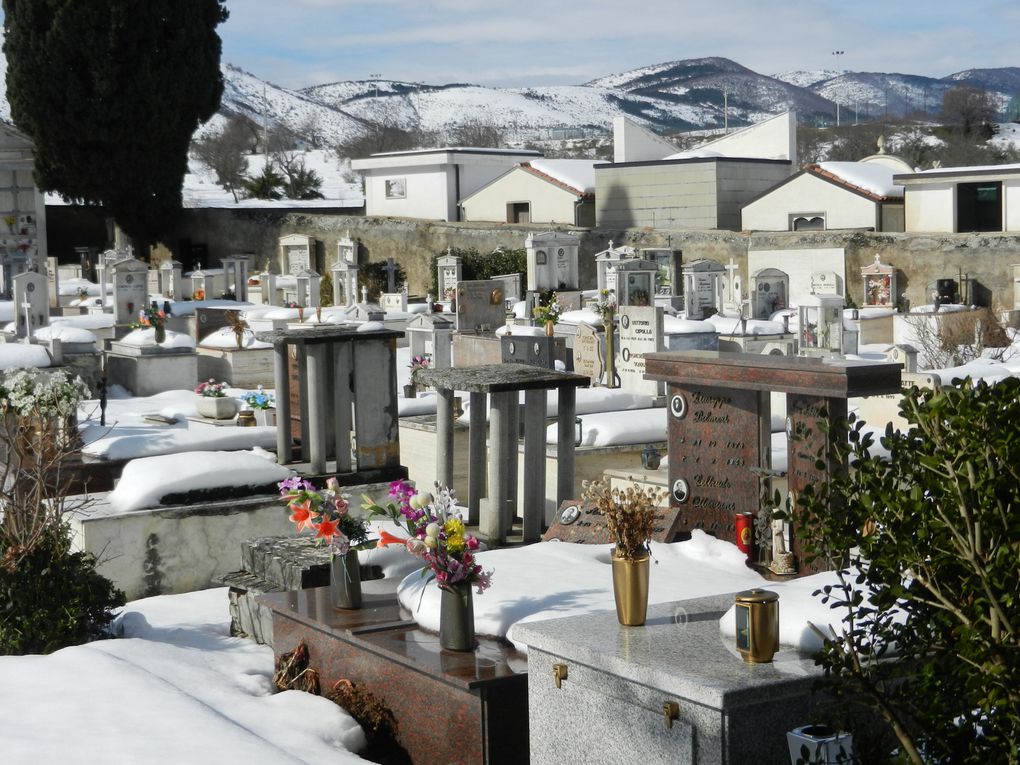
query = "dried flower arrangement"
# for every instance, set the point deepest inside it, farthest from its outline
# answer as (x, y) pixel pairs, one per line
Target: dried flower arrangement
(629, 513)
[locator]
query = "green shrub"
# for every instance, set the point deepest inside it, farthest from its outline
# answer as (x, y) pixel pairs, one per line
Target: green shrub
(54, 598)
(930, 537)
(476, 265)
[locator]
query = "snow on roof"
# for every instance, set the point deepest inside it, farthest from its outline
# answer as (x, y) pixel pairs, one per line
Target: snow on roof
(461, 150)
(579, 174)
(870, 177)
(22, 356)
(695, 154)
(971, 169)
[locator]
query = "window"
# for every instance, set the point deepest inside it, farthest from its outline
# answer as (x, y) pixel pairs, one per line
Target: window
(979, 206)
(396, 188)
(518, 212)
(807, 222)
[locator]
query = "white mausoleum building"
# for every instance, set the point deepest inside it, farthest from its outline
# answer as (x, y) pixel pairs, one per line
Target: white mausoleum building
(429, 183)
(962, 199)
(539, 191)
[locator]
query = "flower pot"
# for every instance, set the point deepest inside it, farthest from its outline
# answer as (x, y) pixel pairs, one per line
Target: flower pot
(217, 407)
(160, 330)
(345, 580)
(811, 744)
(630, 587)
(550, 328)
(265, 417)
(457, 618)
(410, 391)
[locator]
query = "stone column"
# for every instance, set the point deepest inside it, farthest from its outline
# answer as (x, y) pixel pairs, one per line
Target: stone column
(281, 373)
(565, 446)
(476, 455)
(444, 437)
(534, 464)
(493, 523)
(316, 362)
(343, 359)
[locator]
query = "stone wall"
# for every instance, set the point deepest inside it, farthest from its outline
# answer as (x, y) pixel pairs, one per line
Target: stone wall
(919, 258)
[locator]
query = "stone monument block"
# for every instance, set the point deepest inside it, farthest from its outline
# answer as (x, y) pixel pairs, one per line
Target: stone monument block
(588, 355)
(580, 523)
(31, 303)
(640, 333)
(130, 289)
(480, 306)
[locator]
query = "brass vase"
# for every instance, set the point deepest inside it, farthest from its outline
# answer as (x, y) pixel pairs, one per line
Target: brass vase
(550, 329)
(630, 586)
(457, 618)
(345, 580)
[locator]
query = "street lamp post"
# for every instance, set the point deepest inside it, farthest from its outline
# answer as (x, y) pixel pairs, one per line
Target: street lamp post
(836, 54)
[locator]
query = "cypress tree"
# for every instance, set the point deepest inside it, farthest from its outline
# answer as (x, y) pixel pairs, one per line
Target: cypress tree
(111, 91)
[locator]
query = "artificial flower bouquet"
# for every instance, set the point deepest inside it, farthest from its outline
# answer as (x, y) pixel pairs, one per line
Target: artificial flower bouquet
(548, 312)
(606, 306)
(151, 316)
(418, 363)
(212, 389)
(259, 399)
(325, 512)
(437, 534)
(629, 513)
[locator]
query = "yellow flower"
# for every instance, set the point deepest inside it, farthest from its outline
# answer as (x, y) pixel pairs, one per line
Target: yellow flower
(453, 527)
(455, 543)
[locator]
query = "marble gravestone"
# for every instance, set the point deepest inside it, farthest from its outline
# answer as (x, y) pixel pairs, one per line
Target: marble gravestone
(170, 279)
(552, 261)
(480, 306)
(345, 284)
(770, 292)
(53, 280)
(581, 523)
(296, 253)
(606, 263)
(513, 289)
(31, 303)
(703, 282)
(429, 335)
(588, 354)
(826, 283)
(448, 273)
(130, 289)
(719, 427)
(640, 334)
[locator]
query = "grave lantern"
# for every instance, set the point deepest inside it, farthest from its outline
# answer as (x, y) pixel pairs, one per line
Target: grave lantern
(345, 283)
(449, 268)
(235, 272)
(668, 282)
(201, 284)
(821, 325)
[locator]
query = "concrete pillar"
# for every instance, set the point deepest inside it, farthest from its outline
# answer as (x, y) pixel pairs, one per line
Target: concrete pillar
(534, 465)
(281, 374)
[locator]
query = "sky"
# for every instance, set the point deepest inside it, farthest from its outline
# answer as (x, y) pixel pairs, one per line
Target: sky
(550, 42)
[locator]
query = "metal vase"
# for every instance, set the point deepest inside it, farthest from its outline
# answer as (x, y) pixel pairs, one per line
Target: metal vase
(345, 580)
(457, 618)
(630, 586)
(160, 330)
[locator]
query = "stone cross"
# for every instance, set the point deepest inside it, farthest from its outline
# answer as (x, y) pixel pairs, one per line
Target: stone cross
(364, 294)
(732, 294)
(391, 275)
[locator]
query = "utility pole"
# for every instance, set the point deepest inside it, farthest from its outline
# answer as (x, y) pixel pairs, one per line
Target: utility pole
(836, 54)
(376, 77)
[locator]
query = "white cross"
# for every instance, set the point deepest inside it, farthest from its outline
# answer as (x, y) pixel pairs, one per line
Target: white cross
(364, 294)
(731, 294)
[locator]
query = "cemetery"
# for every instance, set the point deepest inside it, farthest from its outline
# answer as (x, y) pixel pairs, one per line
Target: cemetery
(708, 386)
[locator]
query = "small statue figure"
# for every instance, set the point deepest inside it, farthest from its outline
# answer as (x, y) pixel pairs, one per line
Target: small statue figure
(782, 559)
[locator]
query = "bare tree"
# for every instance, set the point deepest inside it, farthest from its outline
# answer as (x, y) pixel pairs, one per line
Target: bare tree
(477, 132)
(224, 153)
(968, 108)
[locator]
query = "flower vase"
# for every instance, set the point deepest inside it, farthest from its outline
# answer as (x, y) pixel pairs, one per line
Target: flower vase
(265, 417)
(345, 580)
(411, 391)
(217, 407)
(160, 330)
(457, 618)
(630, 587)
(549, 328)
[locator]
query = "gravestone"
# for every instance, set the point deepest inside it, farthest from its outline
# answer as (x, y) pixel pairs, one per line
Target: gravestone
(393, 301)
(720, 426)
(640, 334)
(430, 335)
(391, 275)
(513, 289)
(668, 282)
(770, 292)
(702, 288)
(235, 275)
(880, 284)
(31, 303)
(635, 282)
(579, 522)
(448, 273)
(130, 290)
(267, 286)
(480, 306)
(296, 253)
(820, 327)
(534, 350)
(308, 295)
(552, 261)
(606, 263)
(13, 262)
(588, 358)
(53, 281)
(170, 279)
(347, 250)
(345, 284)
(826, 283)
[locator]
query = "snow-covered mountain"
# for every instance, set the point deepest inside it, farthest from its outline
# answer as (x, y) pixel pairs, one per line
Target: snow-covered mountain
(682, 95)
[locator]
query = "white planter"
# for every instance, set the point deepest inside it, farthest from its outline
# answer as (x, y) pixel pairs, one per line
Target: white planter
(217, 407)
(819, 745)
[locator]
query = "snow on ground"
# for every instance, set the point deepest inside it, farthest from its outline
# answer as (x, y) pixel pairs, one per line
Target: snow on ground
(175, 689)
(19, 355)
